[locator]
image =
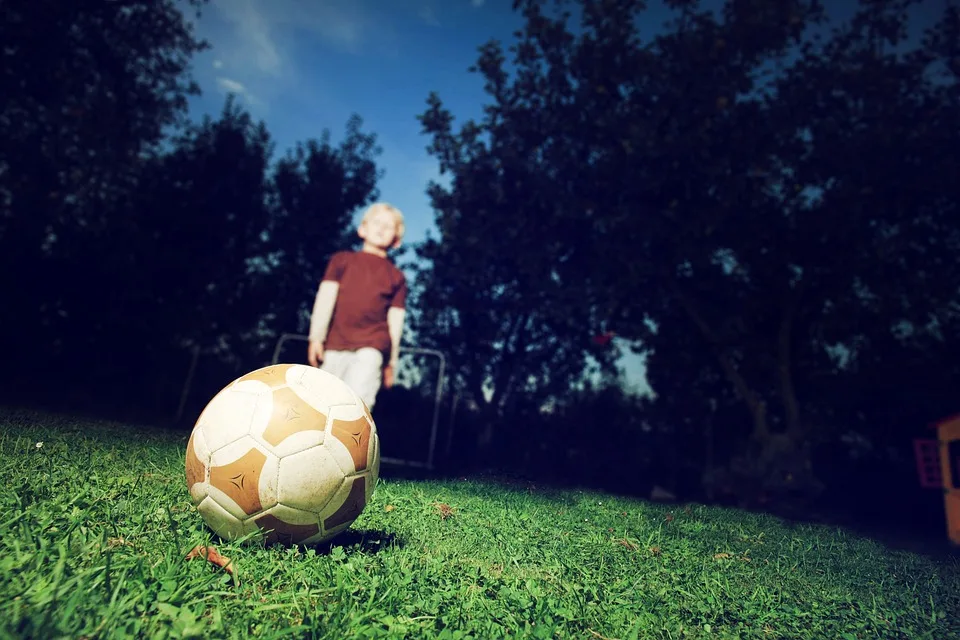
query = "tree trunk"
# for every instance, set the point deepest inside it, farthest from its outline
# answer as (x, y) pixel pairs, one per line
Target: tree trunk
(708, 456)
(770, 463)
(504, 384)
(756, 406)
(485, 436)
(791, 405)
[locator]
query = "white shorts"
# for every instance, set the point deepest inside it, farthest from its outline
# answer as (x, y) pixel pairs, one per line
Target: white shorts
(362, 370)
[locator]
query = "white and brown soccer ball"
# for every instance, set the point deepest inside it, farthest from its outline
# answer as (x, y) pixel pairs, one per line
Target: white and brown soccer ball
(287, 452)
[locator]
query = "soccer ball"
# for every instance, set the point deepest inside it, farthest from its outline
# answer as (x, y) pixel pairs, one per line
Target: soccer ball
(287, 452)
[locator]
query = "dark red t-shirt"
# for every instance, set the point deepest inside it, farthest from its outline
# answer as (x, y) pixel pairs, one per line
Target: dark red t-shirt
(369, 286)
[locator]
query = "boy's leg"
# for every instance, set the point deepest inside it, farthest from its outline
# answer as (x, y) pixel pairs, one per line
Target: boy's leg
(336, 362)
(364, 374)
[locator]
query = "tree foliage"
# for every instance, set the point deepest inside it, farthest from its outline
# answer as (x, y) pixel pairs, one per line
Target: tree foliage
(89, 90)
(745, 195)
(130, 236)
(493, 295)
(206, 214)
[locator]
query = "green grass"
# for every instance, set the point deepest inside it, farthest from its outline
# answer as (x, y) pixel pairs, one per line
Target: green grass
(96, 522)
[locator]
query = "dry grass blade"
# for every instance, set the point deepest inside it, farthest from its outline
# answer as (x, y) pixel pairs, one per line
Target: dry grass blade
(213, 557)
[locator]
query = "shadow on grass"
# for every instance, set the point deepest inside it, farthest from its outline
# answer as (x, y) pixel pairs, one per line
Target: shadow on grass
(366, 541)
(391, 471)
(905, 520)
(919, 530)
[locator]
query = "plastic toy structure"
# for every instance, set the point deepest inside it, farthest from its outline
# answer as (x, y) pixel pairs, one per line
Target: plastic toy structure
(938, 465)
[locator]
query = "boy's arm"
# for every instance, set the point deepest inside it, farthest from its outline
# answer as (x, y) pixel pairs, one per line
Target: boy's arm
(395, 319)
(323, 310)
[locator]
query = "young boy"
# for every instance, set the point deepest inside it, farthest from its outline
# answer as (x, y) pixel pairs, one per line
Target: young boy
(360, 306)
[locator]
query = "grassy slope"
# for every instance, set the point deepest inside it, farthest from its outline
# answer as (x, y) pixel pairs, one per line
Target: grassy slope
(96, 522)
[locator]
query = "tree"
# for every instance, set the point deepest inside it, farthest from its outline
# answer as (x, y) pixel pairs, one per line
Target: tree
(90, 88)
(229, 239)
(493, 295)
(208, 215)
(173, 267)
(129, 236)
(770, 275)
(717, 170)
(552, 144)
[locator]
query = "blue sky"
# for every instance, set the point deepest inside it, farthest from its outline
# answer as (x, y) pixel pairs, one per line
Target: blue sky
(306, 65)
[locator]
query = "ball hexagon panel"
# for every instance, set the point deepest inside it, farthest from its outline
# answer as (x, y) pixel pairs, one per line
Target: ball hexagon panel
(374, 455)
(295, 423)
(272, 377)
(309, 479)
(315, 383)
(345, 506)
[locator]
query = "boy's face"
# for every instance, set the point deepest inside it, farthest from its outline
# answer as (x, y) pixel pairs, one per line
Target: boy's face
(379, 230)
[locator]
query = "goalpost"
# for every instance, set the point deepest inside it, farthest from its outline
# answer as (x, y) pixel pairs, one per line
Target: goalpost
(438, 396)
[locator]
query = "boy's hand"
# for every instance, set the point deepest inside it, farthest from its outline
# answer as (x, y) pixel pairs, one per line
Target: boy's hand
(315, 353)
(388, 372)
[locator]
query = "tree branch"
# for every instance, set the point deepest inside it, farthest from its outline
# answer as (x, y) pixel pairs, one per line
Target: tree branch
(506, 377)
(757, 407)
(788, 391)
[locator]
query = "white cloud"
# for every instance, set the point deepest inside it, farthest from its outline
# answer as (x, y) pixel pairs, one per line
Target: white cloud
(477, 3)
(229, 85)
(258, 44)
(253, 36)
(258, 24)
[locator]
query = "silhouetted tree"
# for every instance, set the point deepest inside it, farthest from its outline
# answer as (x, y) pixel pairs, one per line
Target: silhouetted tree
(741, 199)
(89, 89)
(493, 293)
(174, 266)
(208, 214)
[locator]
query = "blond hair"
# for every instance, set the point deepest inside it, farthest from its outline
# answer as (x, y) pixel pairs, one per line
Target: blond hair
(376, 207)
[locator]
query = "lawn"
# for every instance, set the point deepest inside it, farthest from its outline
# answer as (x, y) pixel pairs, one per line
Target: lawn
(97, 524)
